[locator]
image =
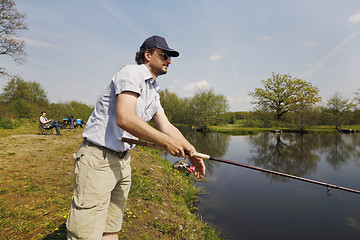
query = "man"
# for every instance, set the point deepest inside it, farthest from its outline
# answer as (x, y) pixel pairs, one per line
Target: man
(49, 123)
(102, 163)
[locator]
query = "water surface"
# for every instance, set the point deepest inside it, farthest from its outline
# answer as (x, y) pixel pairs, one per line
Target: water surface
(247, 204)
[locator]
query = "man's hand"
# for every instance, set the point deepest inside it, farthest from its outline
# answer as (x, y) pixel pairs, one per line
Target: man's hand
(199, 165)
(178, 148)
(175, 148)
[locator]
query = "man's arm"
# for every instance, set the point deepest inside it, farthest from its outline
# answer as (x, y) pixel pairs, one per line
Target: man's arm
(167, 135)
(163, 124)
(130, 122)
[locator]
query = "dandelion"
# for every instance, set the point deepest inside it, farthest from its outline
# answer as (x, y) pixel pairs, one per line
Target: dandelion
(144, 211)
(130, 213)
(56, 229)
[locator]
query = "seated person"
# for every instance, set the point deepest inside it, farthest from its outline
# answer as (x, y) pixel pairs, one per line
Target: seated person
(49, 123)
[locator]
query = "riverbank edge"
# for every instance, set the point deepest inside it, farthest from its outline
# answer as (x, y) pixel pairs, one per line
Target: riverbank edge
(34, 203)
(235, 129)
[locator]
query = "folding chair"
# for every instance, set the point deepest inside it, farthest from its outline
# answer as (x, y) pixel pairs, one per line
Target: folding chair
(43, 130)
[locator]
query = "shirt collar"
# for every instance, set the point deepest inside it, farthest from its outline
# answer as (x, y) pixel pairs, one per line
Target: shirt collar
(148, 76)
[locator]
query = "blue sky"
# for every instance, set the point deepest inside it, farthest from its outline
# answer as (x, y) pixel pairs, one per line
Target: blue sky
(75, 47)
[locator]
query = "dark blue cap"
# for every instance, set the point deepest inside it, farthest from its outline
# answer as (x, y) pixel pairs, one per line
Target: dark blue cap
(158, 42)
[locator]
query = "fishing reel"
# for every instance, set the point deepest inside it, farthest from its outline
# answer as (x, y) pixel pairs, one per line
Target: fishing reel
(183, 167)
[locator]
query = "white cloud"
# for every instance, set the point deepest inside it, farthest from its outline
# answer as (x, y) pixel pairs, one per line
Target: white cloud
(355, 18)
(215, 57)
(42, 44)
(197, 85)
(264, 38)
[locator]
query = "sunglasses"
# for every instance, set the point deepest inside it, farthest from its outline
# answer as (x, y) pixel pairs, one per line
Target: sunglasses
(165, 55)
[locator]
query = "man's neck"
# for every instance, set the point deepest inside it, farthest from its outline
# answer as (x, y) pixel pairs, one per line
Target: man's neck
(152, 74)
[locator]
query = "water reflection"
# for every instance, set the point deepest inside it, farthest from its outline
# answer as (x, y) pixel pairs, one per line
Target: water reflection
(340, 149)
(215, 145)
(212, 144)
(292, 154)
(299, 154)
(295, 154)
(246, 206)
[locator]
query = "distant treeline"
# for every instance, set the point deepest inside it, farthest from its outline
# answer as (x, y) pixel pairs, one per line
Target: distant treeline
(203, 109)
(21, 99)
(337, 111)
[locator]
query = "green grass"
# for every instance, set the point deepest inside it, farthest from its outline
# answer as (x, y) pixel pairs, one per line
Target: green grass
(36, 177)
(239, 129)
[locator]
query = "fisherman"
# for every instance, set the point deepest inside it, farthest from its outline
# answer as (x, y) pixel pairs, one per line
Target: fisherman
(102, 163)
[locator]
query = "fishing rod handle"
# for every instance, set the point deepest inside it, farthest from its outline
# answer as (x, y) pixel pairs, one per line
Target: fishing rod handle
(202, 155)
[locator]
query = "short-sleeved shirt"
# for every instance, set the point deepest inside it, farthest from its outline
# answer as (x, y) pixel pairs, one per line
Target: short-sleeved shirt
(43, 121)
(101, 128)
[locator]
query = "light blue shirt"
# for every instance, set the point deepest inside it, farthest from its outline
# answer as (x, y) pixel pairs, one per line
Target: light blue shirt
(101, 128)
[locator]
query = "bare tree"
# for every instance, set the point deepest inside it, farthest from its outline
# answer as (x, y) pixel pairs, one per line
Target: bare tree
(357, 99)
(11, 22)
(340, 109)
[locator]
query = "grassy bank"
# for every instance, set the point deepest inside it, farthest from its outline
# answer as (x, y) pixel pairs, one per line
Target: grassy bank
(239, 129)
(36, 179)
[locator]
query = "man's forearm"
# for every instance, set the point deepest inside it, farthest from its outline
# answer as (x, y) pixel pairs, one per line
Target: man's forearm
(139, 128)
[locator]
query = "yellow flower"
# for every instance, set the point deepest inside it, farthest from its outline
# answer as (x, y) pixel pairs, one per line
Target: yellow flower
(130, 213)
(144, 211)
(56, 229)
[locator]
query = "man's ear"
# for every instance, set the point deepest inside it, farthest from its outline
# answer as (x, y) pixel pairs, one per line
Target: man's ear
(147, 56)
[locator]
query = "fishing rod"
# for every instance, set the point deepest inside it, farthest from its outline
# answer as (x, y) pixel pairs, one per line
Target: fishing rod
(186, 168)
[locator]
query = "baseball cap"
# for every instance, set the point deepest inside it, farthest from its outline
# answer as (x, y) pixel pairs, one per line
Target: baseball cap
(158, 42)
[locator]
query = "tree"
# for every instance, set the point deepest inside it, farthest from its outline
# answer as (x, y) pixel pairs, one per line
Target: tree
(207, 107)
(24, 99)
(339, 109)
(171, 103)
(283, 94)
(176, 108)
(11, 22)
(357, 98)
(75, 109)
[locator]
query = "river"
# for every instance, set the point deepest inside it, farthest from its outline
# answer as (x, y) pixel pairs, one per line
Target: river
(252, 205)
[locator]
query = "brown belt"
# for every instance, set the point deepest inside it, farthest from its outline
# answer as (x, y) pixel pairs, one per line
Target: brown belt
(115, 153)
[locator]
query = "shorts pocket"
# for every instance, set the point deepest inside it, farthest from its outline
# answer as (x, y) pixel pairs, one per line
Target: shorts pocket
(85, 202)
(87, 217)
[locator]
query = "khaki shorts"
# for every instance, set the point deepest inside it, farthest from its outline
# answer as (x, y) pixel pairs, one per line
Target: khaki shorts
(101, 186)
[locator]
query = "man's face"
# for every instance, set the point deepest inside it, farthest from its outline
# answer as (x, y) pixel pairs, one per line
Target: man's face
(159, 62)
(43, 114)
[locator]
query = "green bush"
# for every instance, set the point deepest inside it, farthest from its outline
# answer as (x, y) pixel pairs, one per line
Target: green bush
(8, 124)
